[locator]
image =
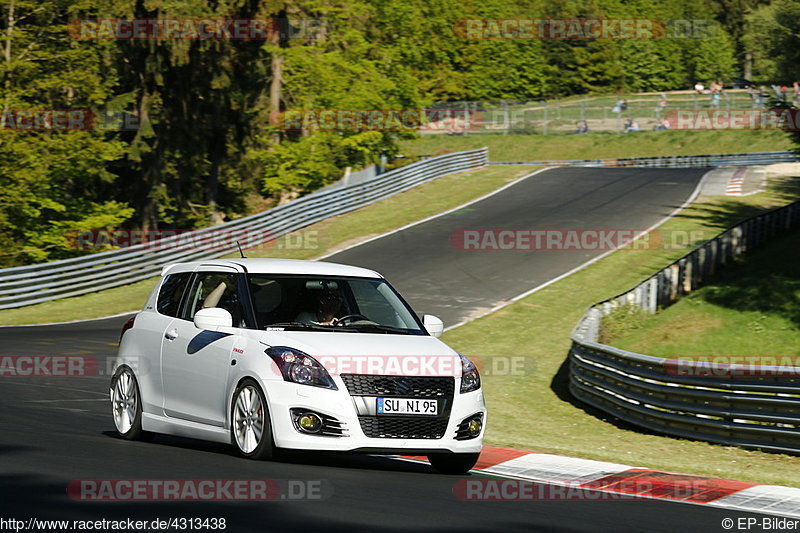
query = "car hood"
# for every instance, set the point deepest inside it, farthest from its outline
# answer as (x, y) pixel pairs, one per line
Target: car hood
(335, 343)
(371, 353)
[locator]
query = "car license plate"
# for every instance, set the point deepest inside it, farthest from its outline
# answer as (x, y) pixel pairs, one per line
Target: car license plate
(407, 406)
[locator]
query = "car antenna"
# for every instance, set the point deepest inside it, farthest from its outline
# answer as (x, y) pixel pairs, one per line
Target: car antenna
(240, 250)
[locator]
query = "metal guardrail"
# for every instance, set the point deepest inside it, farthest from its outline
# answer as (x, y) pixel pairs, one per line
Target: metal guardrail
(673, 161)
(735, 404)
(31, 284)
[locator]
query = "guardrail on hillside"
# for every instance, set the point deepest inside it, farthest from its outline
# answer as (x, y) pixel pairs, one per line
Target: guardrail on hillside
(743, 405)
(31, 284)
(672, 161)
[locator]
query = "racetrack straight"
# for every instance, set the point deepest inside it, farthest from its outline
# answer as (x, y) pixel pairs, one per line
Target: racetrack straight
(428, 264)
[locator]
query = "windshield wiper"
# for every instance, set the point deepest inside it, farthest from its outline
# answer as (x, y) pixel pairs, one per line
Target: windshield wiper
(378, 328)
(300, 325)
(372, 328)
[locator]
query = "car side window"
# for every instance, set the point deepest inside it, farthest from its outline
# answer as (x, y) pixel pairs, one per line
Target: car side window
(215, 289)
(171, 292)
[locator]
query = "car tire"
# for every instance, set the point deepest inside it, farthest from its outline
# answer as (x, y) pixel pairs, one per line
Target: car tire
(126, 405)
(251, 429)
(453, 463)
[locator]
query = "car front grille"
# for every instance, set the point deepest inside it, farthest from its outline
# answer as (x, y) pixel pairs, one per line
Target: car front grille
(399, 386)
(403, 427)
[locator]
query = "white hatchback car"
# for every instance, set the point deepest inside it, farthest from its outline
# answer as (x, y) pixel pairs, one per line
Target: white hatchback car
(271, 353)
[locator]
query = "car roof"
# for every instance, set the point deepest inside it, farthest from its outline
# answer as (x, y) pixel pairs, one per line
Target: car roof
(275, 266)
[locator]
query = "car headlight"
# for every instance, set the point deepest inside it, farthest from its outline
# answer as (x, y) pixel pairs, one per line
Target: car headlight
(470, 378)
(301, 368)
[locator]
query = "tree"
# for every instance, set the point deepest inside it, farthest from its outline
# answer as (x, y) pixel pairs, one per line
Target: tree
(711, 58)
(196, 100)
(52, 183)
(771, 37)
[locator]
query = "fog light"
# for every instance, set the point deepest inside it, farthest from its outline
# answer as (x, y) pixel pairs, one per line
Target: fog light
(474, 427)
(309, 422)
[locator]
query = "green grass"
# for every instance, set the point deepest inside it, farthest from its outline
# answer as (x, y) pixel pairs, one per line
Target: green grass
(601, 145)
(532, 408)
(312, 241)
(752, 307)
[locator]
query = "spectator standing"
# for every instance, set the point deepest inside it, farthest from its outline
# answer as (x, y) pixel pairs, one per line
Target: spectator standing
(761, 97)
(715, 89)
(661, 105)
(753, 93)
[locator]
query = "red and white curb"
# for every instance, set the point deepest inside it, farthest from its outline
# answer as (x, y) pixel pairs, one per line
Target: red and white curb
(736, 182)
(589, 475)
(755, 176)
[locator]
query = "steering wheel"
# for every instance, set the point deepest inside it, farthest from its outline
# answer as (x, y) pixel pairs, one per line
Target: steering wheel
(346, 319)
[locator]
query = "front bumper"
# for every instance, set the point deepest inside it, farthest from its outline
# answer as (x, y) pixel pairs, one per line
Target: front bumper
(284, 396)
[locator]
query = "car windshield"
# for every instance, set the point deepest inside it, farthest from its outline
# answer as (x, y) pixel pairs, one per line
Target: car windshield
(326, 303)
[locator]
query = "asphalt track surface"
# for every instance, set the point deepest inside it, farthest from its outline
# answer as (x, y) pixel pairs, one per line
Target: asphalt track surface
(430, 265)
(56, 430)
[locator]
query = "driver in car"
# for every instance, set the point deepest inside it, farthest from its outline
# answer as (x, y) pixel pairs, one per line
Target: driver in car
(328, 304)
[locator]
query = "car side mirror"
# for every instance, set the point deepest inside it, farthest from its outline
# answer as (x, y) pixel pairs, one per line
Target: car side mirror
(213, 318)
(433, 324)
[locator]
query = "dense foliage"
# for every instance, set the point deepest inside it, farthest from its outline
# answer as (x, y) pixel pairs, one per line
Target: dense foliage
(196, 135)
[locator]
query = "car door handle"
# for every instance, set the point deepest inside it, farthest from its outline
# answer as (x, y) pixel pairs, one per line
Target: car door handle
(171, 334)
